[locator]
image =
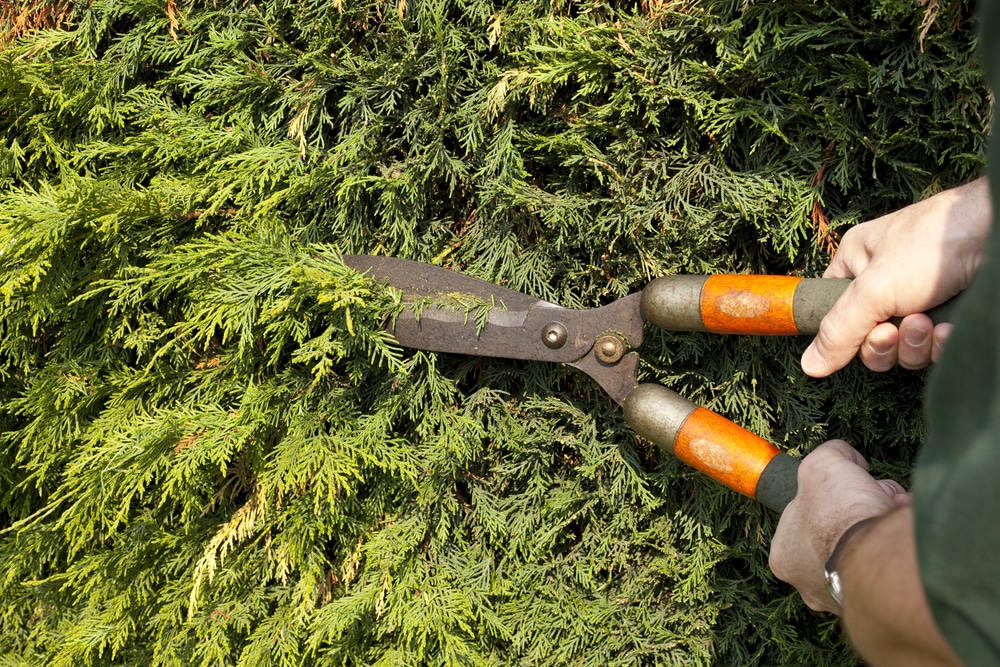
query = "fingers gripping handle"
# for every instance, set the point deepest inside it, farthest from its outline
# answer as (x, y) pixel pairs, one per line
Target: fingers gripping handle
(713, 444)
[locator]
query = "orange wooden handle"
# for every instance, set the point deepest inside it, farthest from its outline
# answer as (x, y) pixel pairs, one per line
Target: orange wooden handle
(714, 445)
(740, 304)
(724, 451)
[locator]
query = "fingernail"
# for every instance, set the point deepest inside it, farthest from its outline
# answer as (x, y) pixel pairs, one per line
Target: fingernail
(880, 347)
(813, 362)
(940, 338)
(914, 337)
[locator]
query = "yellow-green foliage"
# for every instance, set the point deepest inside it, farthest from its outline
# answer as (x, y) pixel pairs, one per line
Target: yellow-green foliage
(210, 454)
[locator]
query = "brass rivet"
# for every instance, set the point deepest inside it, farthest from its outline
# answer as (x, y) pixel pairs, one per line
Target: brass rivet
(554, 335)
(609, 349)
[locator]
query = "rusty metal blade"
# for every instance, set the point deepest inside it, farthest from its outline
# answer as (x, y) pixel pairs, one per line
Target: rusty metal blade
(451, 312)
(417, 280)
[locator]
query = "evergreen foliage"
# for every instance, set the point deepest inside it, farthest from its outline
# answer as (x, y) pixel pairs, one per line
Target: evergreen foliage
(210, 454)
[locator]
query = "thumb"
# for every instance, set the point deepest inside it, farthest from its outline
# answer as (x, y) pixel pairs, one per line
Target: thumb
(842, 331)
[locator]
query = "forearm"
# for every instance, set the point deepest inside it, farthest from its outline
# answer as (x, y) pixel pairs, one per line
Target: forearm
(885, 612)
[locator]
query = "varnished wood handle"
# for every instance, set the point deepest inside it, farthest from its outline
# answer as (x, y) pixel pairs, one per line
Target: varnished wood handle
(749, 304)
(712, 444)
(740, 304)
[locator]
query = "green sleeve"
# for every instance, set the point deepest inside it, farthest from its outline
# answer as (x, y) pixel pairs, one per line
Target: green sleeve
(956, 485)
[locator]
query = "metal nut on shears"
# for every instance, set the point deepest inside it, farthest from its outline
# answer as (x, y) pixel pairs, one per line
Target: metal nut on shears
(554, 335)
(609, 348)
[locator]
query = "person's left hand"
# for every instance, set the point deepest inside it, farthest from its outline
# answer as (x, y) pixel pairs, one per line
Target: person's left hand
(835, 491)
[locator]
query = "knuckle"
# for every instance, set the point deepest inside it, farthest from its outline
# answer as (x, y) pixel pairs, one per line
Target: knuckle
(829, 338)
(812, 466)
(777, 566)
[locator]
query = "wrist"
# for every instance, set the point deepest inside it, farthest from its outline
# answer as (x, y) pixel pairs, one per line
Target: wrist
(831, 571)
(976, 210)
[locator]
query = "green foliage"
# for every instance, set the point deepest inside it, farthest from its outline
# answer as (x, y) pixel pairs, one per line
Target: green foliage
(210, 454)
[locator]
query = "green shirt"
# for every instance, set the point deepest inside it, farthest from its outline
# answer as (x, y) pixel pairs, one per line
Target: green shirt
(956, 483)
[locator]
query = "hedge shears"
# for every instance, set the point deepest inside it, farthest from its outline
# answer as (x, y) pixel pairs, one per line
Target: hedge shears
(446, 311)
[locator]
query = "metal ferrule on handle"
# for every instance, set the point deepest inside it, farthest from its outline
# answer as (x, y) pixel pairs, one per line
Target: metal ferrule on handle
(714, 445)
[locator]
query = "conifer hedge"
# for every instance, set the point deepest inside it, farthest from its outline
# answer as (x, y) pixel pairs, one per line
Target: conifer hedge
(210, 454)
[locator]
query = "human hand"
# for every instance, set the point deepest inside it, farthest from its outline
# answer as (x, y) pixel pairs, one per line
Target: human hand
(835, 491)
(903, 264)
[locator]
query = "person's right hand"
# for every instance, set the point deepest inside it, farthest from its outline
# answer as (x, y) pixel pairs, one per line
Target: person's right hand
(903, 264)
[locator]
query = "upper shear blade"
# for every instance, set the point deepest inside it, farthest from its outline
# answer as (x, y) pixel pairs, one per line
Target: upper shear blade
(452, 312)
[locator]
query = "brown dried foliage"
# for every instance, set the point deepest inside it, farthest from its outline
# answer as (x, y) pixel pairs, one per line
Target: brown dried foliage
(17, 19)
(826, 238)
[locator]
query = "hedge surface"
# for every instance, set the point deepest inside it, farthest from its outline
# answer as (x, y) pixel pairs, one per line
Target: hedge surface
(211, 454)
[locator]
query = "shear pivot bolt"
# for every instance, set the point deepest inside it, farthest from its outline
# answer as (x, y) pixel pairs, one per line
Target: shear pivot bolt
(554, 335)
(609, 349)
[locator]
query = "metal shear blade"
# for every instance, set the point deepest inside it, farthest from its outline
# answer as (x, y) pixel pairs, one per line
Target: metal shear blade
(452, 312)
